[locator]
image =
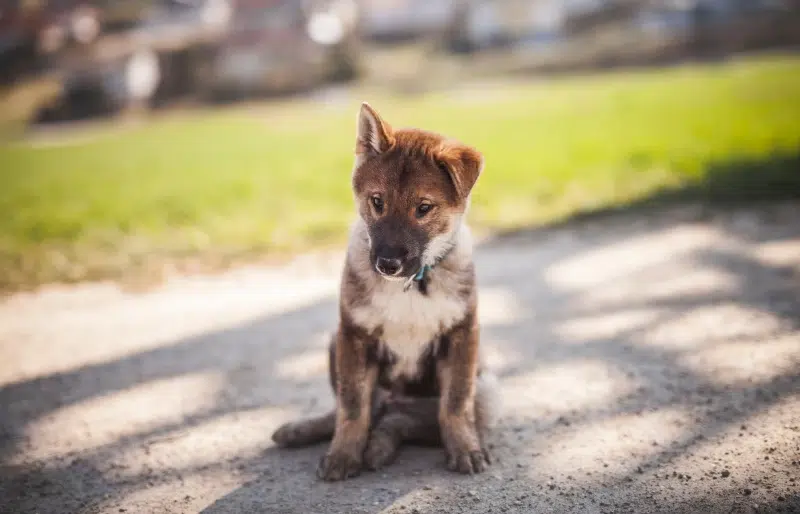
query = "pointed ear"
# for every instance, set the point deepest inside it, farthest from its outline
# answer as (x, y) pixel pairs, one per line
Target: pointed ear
(374, 134)
(464, 164)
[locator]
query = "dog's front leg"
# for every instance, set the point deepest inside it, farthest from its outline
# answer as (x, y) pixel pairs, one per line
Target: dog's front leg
(457, 376)
(356, 376)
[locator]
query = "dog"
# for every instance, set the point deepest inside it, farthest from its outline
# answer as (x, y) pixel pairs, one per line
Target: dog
(405, 362)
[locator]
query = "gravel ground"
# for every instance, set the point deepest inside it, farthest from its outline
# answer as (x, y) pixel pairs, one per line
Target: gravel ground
(650, 363)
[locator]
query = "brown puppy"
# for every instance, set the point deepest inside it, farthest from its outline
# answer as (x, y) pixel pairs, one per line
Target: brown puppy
(404, 362)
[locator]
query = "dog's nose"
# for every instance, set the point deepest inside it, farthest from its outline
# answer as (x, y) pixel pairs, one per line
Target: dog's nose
(389, 267)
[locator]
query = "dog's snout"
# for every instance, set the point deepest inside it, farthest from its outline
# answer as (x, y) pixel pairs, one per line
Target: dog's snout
(390, 267)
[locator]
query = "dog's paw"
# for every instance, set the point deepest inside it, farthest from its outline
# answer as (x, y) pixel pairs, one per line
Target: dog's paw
(487, 456)
(381, 451)
(338, 466)
(469, 462)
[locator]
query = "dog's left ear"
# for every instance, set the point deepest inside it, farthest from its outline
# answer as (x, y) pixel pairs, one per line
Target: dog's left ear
(374, 136)
(464, 164)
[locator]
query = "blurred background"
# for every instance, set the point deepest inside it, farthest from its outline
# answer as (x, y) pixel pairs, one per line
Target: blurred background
(148, 134)
(106, 56)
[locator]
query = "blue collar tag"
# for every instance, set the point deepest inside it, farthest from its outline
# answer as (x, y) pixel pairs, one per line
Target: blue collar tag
(421, 273)
(419, 277)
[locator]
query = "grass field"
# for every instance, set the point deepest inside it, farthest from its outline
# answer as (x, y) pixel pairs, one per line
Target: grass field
(216, 187)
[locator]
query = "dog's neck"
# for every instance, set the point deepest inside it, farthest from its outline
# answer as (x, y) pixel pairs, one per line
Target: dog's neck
(421, 277)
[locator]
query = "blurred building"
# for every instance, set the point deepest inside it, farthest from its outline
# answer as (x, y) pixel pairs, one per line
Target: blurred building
(114, 53)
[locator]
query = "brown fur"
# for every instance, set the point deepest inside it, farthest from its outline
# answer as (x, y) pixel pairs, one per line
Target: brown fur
(405, 368)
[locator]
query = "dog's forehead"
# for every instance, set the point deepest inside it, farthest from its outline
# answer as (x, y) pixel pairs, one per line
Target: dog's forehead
(404, 176)
(407, 170)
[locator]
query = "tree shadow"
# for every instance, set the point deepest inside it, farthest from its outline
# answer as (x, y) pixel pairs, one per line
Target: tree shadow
(723, 184)
(604, 416)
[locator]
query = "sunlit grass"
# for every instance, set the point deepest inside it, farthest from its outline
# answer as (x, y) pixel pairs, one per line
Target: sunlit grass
(244, 183)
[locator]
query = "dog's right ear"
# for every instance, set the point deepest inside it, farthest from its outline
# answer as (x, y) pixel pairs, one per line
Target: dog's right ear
(374, 135)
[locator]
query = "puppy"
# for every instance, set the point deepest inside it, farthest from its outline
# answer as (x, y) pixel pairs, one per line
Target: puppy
(404, 360)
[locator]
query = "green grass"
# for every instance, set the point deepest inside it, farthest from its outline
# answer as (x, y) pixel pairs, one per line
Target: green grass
(238, 184)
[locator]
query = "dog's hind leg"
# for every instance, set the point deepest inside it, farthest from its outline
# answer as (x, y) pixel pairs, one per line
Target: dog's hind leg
(416, 420)
(306, 431)
(413, 420)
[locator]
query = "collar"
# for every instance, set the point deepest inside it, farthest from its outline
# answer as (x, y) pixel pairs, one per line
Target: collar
(420, 276)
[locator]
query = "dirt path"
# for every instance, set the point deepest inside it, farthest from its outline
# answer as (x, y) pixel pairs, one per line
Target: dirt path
(648, 366)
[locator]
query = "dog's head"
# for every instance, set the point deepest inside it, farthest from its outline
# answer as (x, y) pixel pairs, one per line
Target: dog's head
(412, 188)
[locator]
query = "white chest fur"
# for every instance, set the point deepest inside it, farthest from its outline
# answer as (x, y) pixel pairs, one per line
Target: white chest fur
(408, 320)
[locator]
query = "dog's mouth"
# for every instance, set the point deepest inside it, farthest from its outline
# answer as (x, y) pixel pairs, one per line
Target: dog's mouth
(392, 278)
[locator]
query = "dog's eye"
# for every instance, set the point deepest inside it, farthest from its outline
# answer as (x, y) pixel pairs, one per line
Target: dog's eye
(377, 202)
(423, 209)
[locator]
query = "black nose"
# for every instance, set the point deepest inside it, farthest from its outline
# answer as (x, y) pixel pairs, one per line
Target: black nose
(389, 267)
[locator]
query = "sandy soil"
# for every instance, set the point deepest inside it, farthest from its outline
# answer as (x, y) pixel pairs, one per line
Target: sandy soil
(648, 365)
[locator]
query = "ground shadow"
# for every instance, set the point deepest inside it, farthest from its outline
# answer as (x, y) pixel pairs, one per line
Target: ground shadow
(251, 358)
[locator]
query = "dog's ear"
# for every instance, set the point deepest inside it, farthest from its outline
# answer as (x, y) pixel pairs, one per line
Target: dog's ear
(374, 134)
(464, 164)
